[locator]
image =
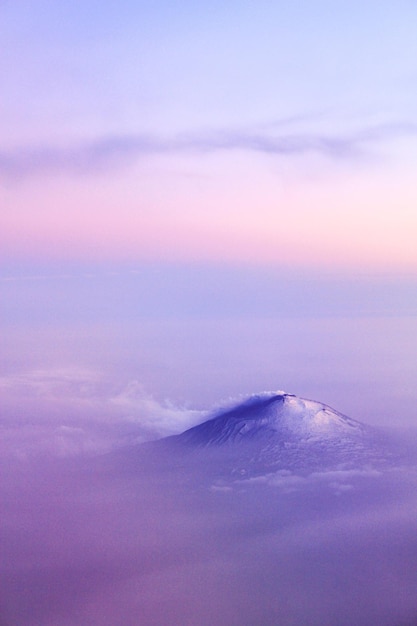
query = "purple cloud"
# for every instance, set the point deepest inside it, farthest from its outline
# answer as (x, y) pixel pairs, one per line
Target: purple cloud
(121, 151)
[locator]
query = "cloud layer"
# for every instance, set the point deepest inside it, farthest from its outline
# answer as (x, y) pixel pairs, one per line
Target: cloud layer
(71, 411)
(117, 543)
(110, 152)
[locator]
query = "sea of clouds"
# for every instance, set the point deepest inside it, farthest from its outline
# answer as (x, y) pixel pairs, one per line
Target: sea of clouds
(94, 532)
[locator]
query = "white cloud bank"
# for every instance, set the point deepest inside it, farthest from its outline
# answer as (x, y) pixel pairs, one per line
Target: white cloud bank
(70, 411)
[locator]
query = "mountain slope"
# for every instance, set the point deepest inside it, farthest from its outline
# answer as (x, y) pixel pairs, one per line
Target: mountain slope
(279, 415)
(275, 431)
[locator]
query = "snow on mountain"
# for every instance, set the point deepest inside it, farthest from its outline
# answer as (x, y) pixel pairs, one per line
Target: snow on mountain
(277, 430)
(274, 415)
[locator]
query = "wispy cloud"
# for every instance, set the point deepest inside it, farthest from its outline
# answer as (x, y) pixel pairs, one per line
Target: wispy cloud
(110, 152)
(80, 411)
(337, 480)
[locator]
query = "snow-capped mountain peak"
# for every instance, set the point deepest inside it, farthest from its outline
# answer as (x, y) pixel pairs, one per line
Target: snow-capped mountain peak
(277, 430)
(276, 415)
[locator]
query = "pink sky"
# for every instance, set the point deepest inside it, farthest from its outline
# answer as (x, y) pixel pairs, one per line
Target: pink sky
(155, 133)
(232, 208)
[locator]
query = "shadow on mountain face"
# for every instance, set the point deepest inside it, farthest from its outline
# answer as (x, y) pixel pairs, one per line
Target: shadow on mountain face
(240, 521)
(271, 433)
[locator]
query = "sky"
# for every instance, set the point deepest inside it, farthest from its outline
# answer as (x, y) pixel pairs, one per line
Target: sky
(277, 134)
(208, 201)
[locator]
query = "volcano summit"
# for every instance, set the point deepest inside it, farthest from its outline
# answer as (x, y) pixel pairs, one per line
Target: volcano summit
(277, 430)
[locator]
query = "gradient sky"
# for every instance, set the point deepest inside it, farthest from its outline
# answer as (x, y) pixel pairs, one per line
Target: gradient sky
(204, 200)
(268, 133)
